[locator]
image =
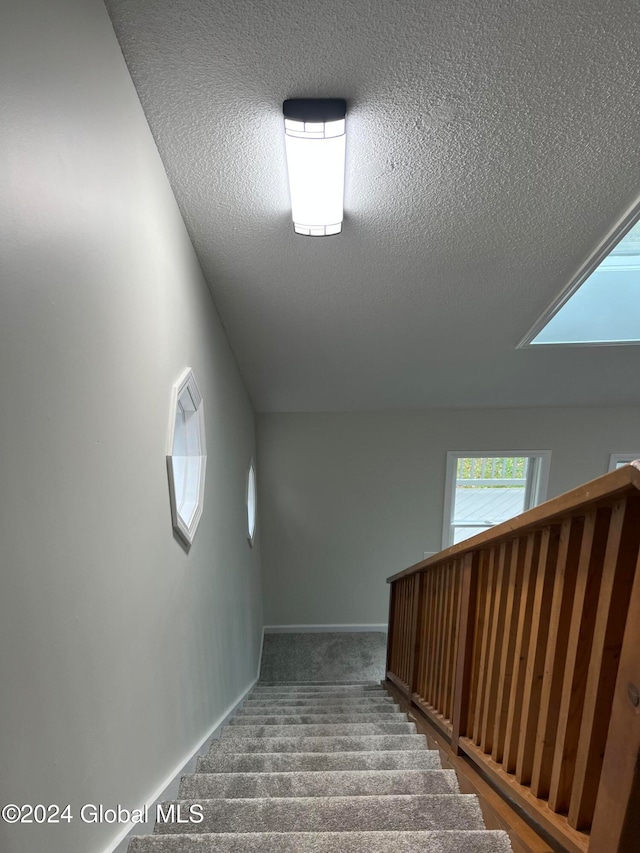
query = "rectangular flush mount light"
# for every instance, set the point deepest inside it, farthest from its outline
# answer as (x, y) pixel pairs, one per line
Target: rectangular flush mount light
(315, 143)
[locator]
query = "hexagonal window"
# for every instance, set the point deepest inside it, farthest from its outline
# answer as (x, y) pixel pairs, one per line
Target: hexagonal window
(186, 456)
(251, 503)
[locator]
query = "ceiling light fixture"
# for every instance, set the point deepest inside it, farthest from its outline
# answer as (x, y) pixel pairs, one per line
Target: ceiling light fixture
(315, 143)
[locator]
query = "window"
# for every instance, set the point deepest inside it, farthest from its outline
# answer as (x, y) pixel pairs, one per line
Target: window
(251, 502)
(186, 457)
(484, 490)
(602, 304)
(619, 460)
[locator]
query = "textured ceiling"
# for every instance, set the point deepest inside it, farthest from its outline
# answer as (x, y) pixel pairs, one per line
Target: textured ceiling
(491, 144)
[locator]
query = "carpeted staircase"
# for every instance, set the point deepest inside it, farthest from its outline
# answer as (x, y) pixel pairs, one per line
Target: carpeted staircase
(323, 768)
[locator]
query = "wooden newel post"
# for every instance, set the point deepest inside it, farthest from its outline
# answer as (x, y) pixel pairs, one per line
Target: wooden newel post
(415, 639)
(464, 658)
(390, 627)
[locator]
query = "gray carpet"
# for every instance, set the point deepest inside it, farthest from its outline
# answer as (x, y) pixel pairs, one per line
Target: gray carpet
(324, 657)
(324, 770)
(341, 783)
(329, 842)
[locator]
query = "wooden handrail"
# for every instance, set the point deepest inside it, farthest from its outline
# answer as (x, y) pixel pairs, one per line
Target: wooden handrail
(522, 646)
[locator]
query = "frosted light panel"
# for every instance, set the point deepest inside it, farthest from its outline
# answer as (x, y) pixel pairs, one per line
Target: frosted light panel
(316, 161)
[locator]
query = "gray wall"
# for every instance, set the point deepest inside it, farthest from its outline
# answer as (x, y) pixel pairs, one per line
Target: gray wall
(349, 499)
(118, 651)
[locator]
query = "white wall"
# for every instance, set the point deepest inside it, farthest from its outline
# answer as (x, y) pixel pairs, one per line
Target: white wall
(118, 651)
(349, 499)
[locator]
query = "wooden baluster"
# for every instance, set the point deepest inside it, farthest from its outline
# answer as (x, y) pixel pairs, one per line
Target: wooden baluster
(448, 650)
(426, 640)
(435, 651)
(433, 699)
(397, 632)
(458, 627)
(507, 661)
(402, 595)
(445, 592)
(521, 653)
(405, 629)
(434, 634)
(559, 623)
(617, 579)
(415, 637)
(452, 640)
(485, 663)
(464, 660)
(446, 636)
(482, 575)
(495, 648)
(398, 656)
(408, 638)
(537, 652)
(424, 588)
(442, 655)
(616, 821)
(400, 630)
(419, 645)
(430, 638)
(391, 627)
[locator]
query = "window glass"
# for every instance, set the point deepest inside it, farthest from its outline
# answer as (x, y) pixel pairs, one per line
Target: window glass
(486, 490)
(606, 306)
(251, 502)
(186, 457)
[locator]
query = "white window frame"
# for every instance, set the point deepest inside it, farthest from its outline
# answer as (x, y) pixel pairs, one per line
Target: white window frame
(616, 458)
(187, 470)
(535, 492)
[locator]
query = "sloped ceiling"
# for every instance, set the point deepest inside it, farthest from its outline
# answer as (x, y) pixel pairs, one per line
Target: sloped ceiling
(491, 145)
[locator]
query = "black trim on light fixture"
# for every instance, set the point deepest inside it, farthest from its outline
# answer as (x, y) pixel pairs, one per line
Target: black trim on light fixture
(315, 109)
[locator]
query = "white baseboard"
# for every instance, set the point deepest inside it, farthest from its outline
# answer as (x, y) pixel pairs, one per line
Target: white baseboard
(317, 629)
(138, 829)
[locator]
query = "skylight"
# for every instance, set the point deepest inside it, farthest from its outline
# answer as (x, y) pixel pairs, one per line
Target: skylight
(605, 306)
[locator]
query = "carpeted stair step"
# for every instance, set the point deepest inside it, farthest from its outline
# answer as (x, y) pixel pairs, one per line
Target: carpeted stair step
(312, 719)
(325, 699)
(329, 730)
(298, 710)
(330, 814)
(307, 687)
(447, 841)
(341, 783)
(341, 743)
(314, 699)
(285, 762)
(286, 698)
(316, 683)
(319, 688)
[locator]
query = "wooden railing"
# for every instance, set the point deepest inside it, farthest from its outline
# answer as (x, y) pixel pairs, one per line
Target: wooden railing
(522, 646)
